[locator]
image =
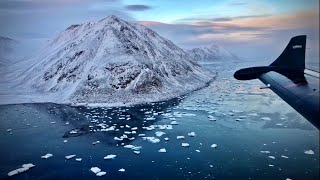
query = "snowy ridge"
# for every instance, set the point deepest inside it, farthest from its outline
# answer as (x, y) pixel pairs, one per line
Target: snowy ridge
(211, 53)
(111, 62)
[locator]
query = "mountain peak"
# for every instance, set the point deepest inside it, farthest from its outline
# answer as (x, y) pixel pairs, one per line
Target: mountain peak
(113, 61)
(211, 52)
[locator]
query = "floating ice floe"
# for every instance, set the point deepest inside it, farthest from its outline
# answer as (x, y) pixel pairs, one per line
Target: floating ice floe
(163, 127)
(73, 132)
(95, 170)
(286, 157)
(197, 150)
(166, 139)
(271, 157)
(151, 139)
(101, 173)
(266, 152)
(122, 170)
(214, 145)
(65, 141)
(141, 135)
(24, 167)
(110, 156)
(174, 123)
(212, 118)
(132, 147)
(192, 134)
(96, 142)
(211, 166)
(136, 152)
(310, 152)
(185, 145)
(70, 156)
(79, 159)
(162, 150)
(46, 156)
(159, 133)
(253, 114)
(266, 118)
(150, 118)
(180, 137)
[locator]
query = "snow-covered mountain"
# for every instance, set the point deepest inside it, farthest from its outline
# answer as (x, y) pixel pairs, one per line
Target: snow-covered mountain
(211, 53)
(112, 62)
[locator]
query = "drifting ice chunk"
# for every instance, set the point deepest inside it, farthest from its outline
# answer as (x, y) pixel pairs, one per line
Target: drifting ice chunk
(132, 147)
(73, 132)
(185, 145)
(101, 173)
(29, 165)
(174, 123)
(150, 118)
(266, 118)
(70, 156)
(272, 157)
(180, 137)
(96, 142)
(110, 156)
(151, 139)
(65, 141)
(309, 152)
(46, 156)
(214, 145)
(136, 152)
(266, 152)
(253, 114)
(163, 150)
(159, 133)
(117, 139)
(192, 134)
(197, 150)
(24, 167)
(212, 118)
(95, 170)
(122, 170)
(166, 138)
(17, 171)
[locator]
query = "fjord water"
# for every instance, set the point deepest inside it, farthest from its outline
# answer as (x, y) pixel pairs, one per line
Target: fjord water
(241, 119)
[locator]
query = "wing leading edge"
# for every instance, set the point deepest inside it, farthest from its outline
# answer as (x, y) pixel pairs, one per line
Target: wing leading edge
(286, 77)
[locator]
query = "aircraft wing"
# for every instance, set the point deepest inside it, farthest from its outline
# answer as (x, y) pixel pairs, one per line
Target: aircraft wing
(289, 79)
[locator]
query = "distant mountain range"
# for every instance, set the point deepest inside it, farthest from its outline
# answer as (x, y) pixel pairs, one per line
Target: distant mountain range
(211, 53)
(112, 62)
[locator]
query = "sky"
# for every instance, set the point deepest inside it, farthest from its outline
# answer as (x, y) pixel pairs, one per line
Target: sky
(251, 29)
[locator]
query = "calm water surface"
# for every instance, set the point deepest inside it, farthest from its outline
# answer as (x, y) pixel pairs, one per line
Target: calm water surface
(241, 119)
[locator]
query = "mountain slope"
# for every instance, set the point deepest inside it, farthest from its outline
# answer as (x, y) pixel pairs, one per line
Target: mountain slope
(112, 62)
(7, 47)
(211, 53)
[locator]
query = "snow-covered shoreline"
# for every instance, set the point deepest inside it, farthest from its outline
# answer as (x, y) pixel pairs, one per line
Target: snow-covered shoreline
(42, 99)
